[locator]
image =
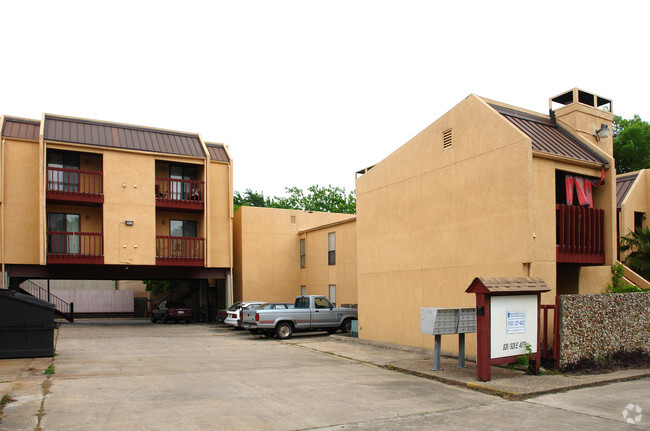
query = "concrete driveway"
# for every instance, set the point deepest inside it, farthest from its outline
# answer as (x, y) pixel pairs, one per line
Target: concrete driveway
(134, 375)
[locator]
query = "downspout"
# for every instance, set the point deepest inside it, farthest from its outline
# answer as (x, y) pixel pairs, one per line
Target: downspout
(2, 215)
(229, 293)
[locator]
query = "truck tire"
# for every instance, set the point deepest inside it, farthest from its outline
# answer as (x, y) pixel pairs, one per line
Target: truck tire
(283, 331)
(346, 327)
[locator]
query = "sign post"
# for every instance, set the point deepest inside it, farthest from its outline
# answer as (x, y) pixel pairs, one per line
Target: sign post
(507, 320)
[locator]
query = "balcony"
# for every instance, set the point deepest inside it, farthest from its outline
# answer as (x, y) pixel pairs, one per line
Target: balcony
(75, 247)
(177, 194)
(580, 235)
(179, 251)
(74, 186)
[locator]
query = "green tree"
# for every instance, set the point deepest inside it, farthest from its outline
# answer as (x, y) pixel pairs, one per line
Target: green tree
(327, 199)
(631, 144)
(156, 286)
(637, 243)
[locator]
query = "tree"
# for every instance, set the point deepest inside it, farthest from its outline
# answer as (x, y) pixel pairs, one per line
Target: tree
(631, 144)
(156, 287)
(327, 199)
(638, 244)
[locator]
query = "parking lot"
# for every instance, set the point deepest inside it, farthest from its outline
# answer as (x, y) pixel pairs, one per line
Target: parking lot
(131, 374)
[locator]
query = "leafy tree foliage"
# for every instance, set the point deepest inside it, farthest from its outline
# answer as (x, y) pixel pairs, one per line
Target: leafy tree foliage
(156, 286)
(327, 199)
(638, 244)
(631, 144)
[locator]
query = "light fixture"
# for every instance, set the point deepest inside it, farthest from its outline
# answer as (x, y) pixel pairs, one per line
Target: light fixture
(128, 222)
(603, 132)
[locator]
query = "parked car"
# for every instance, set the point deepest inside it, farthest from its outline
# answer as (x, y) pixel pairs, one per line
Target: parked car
(310, 313)
(273, 306)
(235, 312)
(171, 310)
(223, 314)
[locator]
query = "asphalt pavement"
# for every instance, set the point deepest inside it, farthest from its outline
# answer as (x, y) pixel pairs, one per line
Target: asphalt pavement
(129, 374)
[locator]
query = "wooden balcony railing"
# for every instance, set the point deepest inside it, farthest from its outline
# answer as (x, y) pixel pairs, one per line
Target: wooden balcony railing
(179, 250)
(580, 234)
(75, 247)
(181, 194)
(74, 185)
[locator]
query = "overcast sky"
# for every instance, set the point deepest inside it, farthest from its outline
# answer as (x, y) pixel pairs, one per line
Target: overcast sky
(308, 92)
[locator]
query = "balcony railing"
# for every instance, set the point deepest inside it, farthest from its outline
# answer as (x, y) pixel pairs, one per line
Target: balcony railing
(75, 247)
(179, 250)
(74, 185)
(580, 234)
(182, 194)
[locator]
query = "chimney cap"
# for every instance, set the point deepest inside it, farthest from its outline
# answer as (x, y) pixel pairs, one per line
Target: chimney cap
(576, 95)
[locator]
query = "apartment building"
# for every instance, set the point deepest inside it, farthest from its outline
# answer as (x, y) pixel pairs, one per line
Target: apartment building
(487, 190)
(280, 254)
(86, 199)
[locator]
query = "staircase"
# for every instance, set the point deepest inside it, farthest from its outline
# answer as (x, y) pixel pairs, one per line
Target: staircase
(61, 308)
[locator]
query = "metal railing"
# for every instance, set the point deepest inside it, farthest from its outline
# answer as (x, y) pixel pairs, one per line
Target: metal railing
(176, 190)
(580, 234)
(64, 309)
(74, 182)
(75, 244)
(179, 250)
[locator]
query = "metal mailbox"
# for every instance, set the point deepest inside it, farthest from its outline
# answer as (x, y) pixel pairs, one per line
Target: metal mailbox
(447, 321)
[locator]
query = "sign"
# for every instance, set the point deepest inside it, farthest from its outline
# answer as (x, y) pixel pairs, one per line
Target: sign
(513, 325)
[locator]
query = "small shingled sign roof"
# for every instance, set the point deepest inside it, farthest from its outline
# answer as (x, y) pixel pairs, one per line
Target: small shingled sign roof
(501, 285)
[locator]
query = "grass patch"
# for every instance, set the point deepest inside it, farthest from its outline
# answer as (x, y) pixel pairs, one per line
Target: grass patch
(50, 370)
(6, 399)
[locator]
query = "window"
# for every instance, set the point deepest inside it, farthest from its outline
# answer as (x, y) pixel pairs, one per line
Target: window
(333, 293)
(331, 248)
(60, 177)
(320, 303)
(62, 228)
(638, 220)
(303, 290)
(302, 252)
(302, 302)
(184, 228)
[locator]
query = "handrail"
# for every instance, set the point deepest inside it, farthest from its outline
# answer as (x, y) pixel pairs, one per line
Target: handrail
(179, 247)
(65, 309)
(580, 234)
(75, 243)
(75, 181)
(179, 190)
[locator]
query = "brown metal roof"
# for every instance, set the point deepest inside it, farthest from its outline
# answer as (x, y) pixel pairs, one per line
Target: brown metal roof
(106, 134)
(217, 152)
(508, 285)
(21, 128)
(548, 138)
(623, 185)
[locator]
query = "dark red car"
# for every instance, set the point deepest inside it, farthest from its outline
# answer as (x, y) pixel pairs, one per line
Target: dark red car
(171, 310)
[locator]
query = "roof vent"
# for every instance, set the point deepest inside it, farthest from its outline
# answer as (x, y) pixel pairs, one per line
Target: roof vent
(446, 138)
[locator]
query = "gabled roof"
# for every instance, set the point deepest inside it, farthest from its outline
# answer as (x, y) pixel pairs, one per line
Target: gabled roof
(105, 134)
(507, 285)
(623, 185)
(217, 152)
(20, 128)
(547, 137)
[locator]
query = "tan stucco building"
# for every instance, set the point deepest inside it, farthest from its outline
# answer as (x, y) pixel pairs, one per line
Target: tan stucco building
(280, 254)
(487, 190)
(86, 199)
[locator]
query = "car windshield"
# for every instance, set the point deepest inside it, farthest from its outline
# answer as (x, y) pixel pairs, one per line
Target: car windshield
(235, 306)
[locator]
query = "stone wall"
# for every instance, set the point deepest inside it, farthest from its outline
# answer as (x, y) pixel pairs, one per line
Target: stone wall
(593, 326)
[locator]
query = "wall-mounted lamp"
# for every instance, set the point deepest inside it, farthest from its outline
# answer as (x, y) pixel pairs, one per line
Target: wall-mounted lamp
(128, 222)
(603, 132)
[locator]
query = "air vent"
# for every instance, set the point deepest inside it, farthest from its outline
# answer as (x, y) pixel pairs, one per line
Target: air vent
(446, 138)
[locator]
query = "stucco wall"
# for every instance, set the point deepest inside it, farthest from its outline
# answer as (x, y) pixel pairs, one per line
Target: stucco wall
(635, 201)
(431, 219)
(21, 202)
(603, 324)
(267, 251)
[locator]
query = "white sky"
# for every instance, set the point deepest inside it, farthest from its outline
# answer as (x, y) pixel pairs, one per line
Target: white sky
(308, 92)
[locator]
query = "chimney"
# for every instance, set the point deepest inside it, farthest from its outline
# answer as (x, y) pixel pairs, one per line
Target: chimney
(586, 115)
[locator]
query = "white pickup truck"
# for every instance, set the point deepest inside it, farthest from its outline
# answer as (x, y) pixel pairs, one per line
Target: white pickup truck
(310, 313)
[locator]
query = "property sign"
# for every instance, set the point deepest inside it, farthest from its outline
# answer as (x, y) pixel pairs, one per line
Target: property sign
(513, 325)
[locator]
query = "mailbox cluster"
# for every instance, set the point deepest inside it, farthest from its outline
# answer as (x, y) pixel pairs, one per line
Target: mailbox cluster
(447, 321)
